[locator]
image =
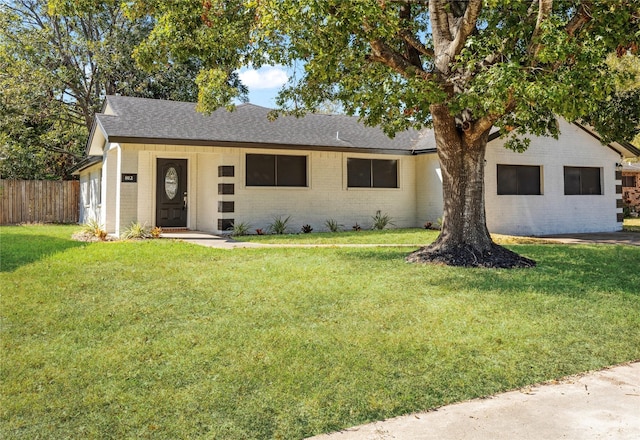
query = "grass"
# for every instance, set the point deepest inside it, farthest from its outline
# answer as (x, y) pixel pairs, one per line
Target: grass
(631, 224)
(162, 339)
(411, 237)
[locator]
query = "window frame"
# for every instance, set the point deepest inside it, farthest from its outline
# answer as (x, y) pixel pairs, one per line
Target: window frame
(278, 179)
(374, 172)
(519, 171)
(583, 180)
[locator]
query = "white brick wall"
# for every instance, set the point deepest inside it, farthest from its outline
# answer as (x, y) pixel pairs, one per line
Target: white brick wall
(327, 195)
(419, 198)
(553, 212)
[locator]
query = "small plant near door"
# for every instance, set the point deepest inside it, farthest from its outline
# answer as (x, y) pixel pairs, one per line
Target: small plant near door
(91, 231)
(279, 225)
(136, 231)
(156, 232)
(306, 229)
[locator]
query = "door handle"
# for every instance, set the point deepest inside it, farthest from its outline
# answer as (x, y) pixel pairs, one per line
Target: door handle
(184, 201)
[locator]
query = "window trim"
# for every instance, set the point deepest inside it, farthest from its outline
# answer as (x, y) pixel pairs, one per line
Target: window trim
(372, 174)
(519, 167)
(275, 185)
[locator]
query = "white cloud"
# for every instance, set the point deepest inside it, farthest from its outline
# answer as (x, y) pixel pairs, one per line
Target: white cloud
(267, 77)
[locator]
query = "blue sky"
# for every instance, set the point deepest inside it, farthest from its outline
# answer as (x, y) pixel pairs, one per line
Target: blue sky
(264, 83)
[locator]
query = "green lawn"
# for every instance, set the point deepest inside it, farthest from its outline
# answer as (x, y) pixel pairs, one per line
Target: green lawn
(166, 340)
(386, 236)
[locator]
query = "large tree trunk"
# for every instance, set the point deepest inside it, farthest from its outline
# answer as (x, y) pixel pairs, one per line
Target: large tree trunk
(464, 239)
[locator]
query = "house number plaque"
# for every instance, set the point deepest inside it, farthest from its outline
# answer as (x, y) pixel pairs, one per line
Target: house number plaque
(130, 178)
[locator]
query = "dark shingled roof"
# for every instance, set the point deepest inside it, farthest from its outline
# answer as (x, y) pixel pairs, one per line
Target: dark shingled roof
(152, 120)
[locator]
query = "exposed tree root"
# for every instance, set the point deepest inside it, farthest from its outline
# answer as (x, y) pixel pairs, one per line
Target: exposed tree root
(465, 256)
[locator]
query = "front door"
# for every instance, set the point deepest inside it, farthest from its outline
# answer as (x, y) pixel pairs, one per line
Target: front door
(171, 193)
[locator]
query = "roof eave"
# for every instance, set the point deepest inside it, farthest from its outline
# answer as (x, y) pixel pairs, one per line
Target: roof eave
(254, 145)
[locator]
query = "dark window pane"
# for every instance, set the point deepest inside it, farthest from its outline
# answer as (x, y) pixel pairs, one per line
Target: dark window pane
(528, 180)
(507, 180)
(590, 180)
(571, 181)
(261, 170)
(582, 180)
(359, 173)
(629, 181)
(291, 170)
(385, 173)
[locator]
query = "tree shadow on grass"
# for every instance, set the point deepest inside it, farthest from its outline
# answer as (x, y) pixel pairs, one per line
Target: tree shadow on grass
(17, 249)
(563, 270)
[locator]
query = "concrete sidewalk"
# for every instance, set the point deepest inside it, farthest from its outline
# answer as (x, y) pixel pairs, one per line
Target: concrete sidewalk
(600, 405)
(226, 242)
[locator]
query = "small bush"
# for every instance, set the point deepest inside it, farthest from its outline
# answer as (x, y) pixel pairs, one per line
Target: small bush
(92, 228)
(332, 225)
(279, 225)
(260, 231)
(381, 221)
(241, 228)
(357, 227)
(306, 229)
(136, 231)
(156, 232)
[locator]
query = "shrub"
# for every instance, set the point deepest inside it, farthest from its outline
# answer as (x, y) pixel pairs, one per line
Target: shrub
(136, 231)
(381, 221)
(92, 228)
(332, 225)
(279, 225)
(357, 227)
(156, 232)
(241, 228)
(260, 231)
(306, 229)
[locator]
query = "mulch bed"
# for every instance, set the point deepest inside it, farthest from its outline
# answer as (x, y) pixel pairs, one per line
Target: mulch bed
(497, 257)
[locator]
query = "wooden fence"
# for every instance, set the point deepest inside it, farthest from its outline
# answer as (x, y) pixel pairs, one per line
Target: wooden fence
(39, 201)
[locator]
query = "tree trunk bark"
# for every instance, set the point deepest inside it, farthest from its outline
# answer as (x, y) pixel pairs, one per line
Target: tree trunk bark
(464, 239)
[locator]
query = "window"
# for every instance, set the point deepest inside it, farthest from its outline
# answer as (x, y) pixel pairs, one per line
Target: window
(519, 180)
(629, 181)
(276, 170)
(581, 181)
(372, 173)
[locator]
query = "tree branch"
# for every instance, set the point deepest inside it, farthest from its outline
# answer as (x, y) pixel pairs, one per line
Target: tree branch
(416, 44)
(582, 17)
(486, 122)
(465, 27)
(544, 11)
(382, 53)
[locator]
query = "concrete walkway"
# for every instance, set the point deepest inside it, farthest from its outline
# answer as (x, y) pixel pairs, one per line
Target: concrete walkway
(226, 242)
(622, 237)
(599, 405)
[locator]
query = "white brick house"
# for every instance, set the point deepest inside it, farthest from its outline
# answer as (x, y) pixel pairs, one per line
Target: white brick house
(162, 163)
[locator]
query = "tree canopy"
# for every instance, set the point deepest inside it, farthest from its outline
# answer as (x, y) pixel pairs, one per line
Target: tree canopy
(508, 63)
(58, 60)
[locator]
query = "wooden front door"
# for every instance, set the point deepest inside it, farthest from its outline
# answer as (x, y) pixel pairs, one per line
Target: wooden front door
(171, 193)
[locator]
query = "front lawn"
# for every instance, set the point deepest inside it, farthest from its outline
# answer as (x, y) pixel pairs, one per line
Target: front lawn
(413, 236)
(162, 339)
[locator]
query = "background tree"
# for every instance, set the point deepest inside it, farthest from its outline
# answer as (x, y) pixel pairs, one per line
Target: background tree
(58, 60)
(464, 67)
